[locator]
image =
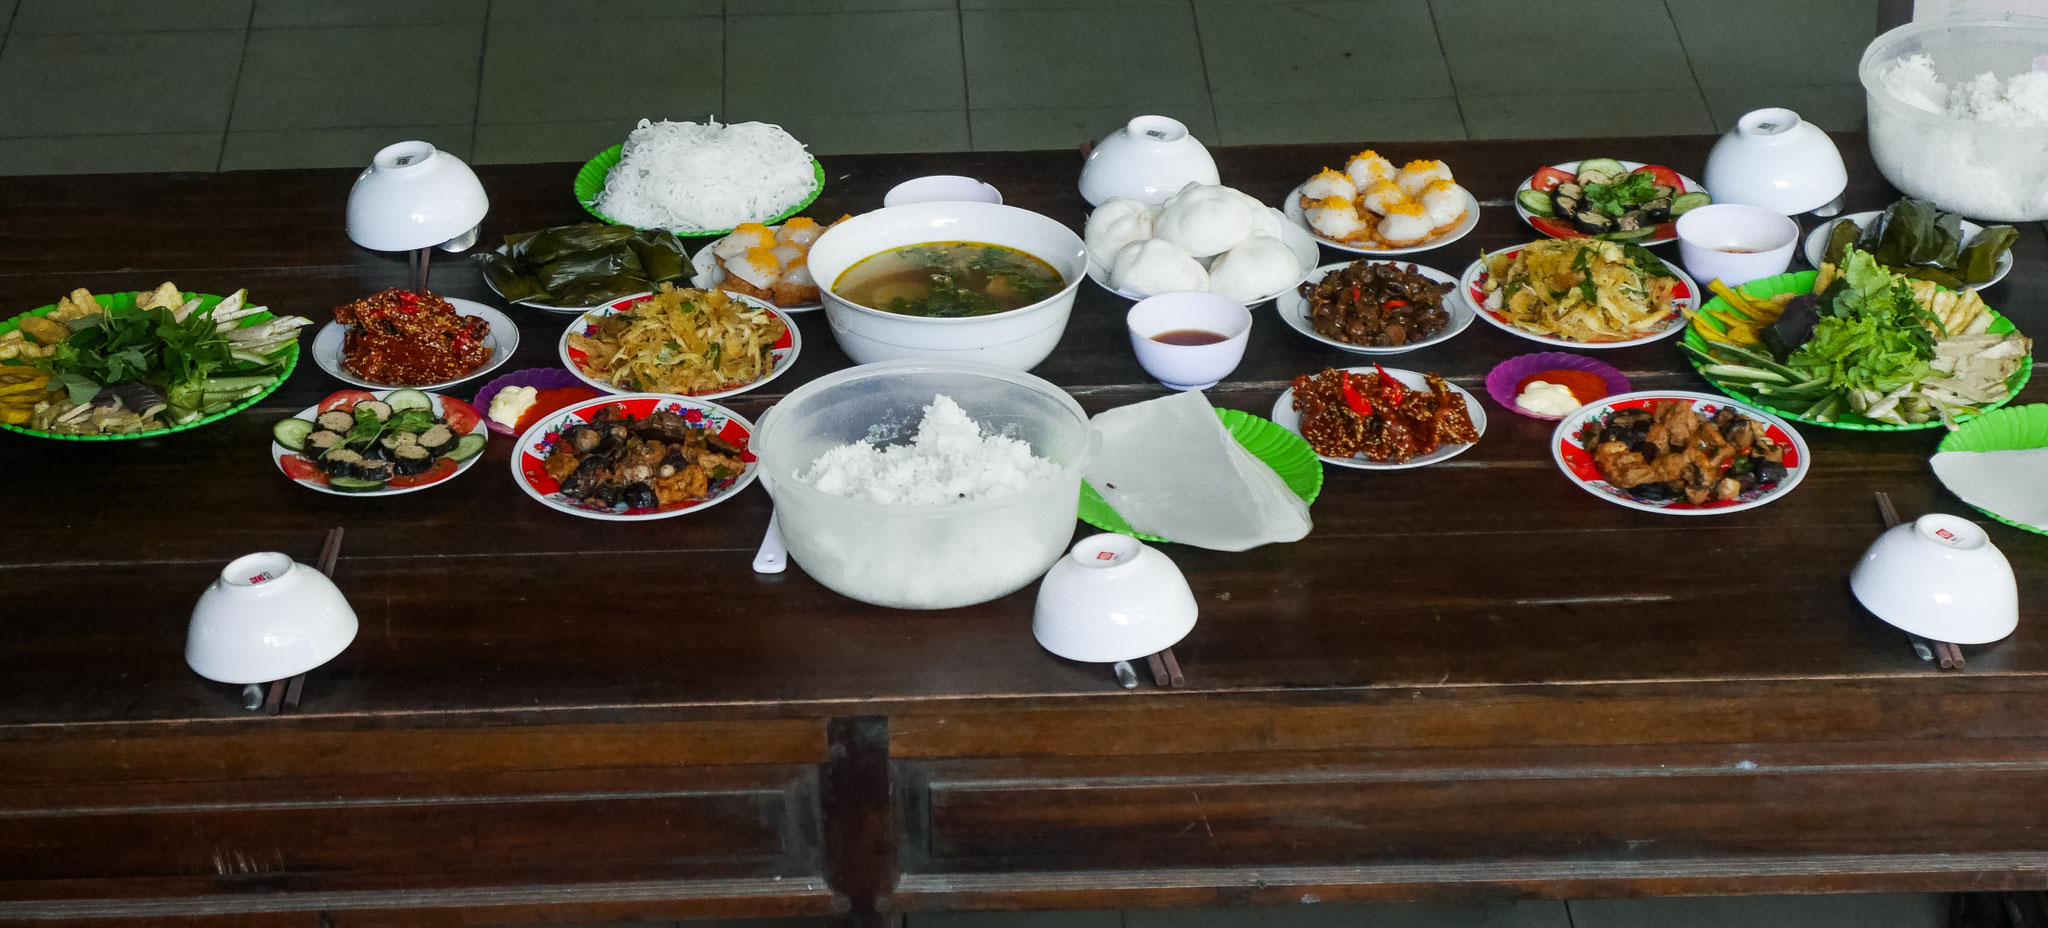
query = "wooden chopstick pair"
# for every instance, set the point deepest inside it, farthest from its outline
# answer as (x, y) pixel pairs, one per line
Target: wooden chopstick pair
(1165, 671)
(284, 695)
(1948, 655)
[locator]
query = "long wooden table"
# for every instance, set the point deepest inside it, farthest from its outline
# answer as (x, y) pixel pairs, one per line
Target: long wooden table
(1472, 680)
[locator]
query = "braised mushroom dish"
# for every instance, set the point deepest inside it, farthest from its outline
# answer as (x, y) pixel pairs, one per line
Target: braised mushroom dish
(644, 463)
(1671, 452)
(1376, 305)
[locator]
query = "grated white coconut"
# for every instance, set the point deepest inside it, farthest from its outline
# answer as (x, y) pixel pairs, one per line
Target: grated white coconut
(951, 460)
(686, 177)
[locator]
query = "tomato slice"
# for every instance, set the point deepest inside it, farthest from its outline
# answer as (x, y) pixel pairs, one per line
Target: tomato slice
(1555, 228)
(298, 467)
(1667, 230)
(460, 416)
(345, 399)
(1662, 175)
(441, 470)
(1547, 179)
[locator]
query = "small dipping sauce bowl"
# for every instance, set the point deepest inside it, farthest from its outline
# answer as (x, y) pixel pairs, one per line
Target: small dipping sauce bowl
(941, 188)
(1734, 243)
(1189, 340)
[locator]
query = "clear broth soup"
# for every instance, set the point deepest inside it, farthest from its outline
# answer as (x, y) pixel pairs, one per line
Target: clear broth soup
(948, 279)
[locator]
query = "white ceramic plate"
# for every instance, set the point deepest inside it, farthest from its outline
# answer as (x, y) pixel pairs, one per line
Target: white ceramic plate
(1299, 217)
(1577, 464)
(1287, 418)
(1686, 185)
(1816, 246)
(1685, 297)
(503, 340)
(1293, 309)
(709, 273)
(530, 455)
(279, 453)
(1298, 241)
(782, 356)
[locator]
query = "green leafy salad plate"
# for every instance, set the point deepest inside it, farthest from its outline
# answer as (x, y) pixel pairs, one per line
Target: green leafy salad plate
(590, 184)
(1282, 450)
(1753, 376)
(203, 379)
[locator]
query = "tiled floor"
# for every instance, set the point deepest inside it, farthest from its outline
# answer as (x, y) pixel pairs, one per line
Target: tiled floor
(1868, 911)
(127, 85)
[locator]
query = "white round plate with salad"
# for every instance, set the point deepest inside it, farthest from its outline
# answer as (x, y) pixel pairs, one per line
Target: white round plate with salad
(1604, 197)
(381, 443)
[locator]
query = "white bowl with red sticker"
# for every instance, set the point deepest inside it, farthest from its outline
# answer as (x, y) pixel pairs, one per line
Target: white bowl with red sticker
(1685, 298)
(1569, 448)
(782, 354)
(732, 433)
(303, 451)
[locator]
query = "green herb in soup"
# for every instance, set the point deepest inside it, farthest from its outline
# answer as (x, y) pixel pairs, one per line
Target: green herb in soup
(948, 279)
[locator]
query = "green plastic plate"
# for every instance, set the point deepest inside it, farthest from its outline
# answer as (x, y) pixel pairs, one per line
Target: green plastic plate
(289, 354)
(1282, 450)
(590, 183)
(1802, 282)
(2015, 428)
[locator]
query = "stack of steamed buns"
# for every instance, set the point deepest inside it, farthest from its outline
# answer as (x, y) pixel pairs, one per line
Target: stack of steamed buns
(1206, 237)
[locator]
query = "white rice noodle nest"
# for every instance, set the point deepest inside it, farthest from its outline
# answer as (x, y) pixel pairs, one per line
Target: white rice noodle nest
(686, 176)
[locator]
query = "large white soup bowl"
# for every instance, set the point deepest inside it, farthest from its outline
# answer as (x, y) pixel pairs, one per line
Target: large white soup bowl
(1018, 338)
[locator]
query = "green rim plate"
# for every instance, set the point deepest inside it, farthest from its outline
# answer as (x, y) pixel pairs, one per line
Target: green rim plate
(2015, 428)
(1282, 450)
(126, 300)
(590, 183)
(1802, 282)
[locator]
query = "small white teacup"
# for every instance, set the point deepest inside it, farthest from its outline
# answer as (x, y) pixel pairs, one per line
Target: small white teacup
(1735, 244)
(1189, 340)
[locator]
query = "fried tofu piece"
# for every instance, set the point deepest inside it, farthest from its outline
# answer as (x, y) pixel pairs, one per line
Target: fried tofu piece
(166, 295)
(44, 331)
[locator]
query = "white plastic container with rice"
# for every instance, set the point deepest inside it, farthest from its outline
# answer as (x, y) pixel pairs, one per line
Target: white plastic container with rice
(1958, 112)
(977, 509)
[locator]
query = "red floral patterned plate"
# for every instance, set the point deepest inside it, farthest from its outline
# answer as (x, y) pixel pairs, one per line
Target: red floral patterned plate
(1567, 447)
(1684, 298)
(530, 456)
(781, 355)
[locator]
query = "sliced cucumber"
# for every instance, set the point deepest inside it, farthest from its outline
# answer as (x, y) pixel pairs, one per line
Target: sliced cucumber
(292, 433)
(1536, 202)
(1686, 202)
(409, 399)
(1607, 166)
(354, 485)
(466, 447)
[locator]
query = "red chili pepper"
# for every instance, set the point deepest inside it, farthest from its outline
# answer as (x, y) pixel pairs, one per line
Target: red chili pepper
(1393, 304)
(1357, 294)
(1392, 386)
(1353, 400)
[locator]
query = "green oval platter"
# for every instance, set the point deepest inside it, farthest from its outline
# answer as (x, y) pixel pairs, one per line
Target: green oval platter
(590, 183)
(1285, 452)
(1802, 282)
(111, 301)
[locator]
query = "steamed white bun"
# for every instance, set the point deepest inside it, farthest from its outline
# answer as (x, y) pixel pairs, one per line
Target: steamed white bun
(1119, 221)
(1263, 265)
(1157, 266)
(1264, 220)
(1206, 219)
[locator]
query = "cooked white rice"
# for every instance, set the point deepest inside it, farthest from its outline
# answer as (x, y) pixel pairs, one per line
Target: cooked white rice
(682, 176)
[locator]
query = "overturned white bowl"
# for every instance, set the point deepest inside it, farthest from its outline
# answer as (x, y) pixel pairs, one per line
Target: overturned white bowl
(1017, 338)
(1112, 598)
(267, 617)
(1939, 577)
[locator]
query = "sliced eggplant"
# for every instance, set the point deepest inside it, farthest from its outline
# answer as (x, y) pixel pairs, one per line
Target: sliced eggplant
(1566, 206)
(1632, 220)
(1662, 191)
(1574, 191)
(1659, 209)
(1591, 222)
(1589, 178)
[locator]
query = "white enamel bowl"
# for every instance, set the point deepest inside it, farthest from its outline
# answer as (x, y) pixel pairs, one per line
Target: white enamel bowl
(1018, 338)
